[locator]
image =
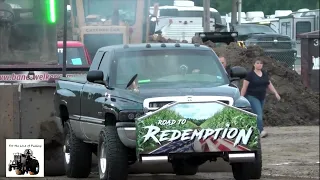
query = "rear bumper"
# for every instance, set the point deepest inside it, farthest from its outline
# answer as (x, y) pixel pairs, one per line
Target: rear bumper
(127, 135)
(230, 157)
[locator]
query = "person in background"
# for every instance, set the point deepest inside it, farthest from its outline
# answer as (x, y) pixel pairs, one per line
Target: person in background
(223, 61)
(227, 67)
(254, 88)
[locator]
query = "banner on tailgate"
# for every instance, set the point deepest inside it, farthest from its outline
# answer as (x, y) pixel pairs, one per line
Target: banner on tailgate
(33, 76)
(197, 127)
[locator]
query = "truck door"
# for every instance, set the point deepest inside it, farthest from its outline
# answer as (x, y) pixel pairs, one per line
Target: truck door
(92, 103)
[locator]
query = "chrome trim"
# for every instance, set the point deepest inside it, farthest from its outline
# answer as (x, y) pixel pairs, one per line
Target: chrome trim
(147, 101)
(90, 119)
(154, 159)
(129, 128)
(241, 157)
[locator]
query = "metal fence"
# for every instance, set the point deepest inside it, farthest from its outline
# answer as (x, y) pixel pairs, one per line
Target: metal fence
(286, 51)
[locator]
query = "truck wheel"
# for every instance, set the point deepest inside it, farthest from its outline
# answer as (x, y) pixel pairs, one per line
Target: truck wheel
(241, 171)
(78, 155)
(113, 155)
(34, 167)
(256, 166)
(184, 168)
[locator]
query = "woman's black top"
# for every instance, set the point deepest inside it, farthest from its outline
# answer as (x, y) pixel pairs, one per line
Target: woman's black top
(257, 85)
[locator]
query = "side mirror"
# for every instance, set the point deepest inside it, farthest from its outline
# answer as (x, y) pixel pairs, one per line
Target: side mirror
(238, 72)
(94, 76)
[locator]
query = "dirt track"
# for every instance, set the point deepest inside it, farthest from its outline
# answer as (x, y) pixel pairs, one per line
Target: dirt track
(289, 153)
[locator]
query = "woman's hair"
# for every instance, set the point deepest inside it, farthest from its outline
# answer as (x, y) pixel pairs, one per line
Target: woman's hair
(255, 60)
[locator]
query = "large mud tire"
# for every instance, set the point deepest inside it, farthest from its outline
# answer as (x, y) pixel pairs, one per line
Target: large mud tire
(181, 168)
(78, 156)
(19, 172)
(112, 155)
(34, 167)
(256, 167)
(241, 171)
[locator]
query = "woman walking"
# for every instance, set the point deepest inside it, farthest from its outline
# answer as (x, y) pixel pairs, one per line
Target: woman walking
(254, 88)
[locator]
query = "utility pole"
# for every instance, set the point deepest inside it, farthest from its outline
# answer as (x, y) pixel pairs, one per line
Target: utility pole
(65, 32)
(206, 15)
(234, 12)
(239, 11)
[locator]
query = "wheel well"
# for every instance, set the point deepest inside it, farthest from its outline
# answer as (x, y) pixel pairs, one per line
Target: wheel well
(110, 119)
(64, 114)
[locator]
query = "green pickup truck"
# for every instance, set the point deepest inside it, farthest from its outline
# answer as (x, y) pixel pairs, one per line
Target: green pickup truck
(153, 103)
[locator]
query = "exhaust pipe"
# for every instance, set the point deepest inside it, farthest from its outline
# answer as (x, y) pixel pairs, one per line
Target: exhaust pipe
(241, 157)
(154, 159)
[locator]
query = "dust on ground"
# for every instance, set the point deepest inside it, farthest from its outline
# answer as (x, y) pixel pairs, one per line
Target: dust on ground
(53, 140)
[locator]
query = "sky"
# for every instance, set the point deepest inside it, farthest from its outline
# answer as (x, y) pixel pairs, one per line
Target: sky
(198, 111)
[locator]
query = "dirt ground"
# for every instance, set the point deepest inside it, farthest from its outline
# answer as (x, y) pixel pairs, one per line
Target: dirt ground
(289, 153)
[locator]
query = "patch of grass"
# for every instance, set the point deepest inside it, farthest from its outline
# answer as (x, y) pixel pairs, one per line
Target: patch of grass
(236, 119)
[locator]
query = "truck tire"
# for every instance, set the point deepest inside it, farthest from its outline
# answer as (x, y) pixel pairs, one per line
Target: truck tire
(113, 155)
(78, 155)
(184, 168)
(34, 167)
(19, 172)
(241, 171)
(256, 167)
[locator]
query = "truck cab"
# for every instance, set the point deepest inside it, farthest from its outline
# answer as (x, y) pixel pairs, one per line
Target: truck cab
(77, 53)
